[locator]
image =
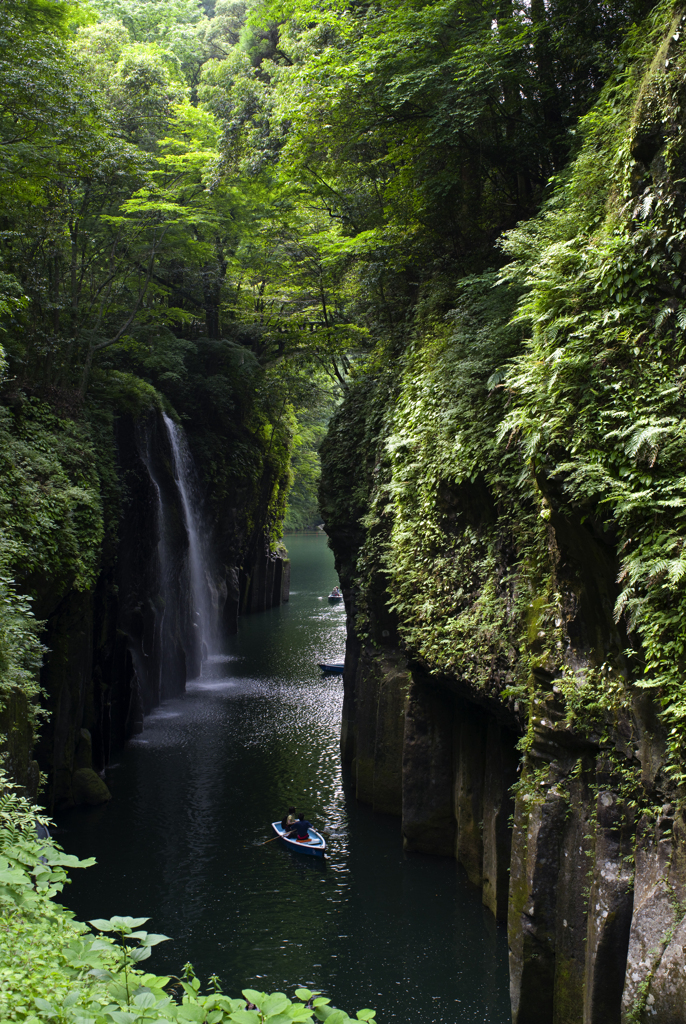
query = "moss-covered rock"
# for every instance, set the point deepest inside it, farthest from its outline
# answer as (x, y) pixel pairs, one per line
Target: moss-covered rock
(92, 529)
(88, 788)
(505, 502)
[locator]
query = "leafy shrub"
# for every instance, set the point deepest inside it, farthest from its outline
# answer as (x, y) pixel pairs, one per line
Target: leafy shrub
(53, 969)
(20, 649)
(51, 514)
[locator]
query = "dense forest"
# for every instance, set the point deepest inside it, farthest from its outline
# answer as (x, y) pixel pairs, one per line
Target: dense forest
(437, 246)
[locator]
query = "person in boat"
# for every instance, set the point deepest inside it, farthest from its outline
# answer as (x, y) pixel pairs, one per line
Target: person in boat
(301, 827)
(336, 592)
(288, 822)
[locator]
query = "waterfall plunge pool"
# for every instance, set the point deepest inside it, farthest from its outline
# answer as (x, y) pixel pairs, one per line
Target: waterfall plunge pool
(193, 796)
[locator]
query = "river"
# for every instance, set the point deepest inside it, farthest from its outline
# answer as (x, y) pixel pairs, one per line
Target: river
(193, 796)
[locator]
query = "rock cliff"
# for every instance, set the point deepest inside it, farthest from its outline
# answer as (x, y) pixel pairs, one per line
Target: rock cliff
(125, 636)
(498, 496)
(542, 815)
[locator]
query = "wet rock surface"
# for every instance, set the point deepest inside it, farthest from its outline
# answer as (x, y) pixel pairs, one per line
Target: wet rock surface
(593, 938)
(537, 807)
(118, 650)
(88, 788)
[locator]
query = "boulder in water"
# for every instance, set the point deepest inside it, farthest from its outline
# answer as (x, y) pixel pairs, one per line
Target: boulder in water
(89, 788)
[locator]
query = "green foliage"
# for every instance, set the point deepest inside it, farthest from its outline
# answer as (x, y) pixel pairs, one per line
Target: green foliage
(21, 651)
(597, 403)
(449, 581)
(53, 969)
(51, 515)
(532, 426)
(302, 512)
(32, 870)
(174, 26)
(423, 129)
(34, 962)
(440, 537)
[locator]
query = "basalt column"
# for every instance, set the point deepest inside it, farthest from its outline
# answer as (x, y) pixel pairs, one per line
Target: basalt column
(381, 685)
(500, 773)
(428, 810)
(441, 762)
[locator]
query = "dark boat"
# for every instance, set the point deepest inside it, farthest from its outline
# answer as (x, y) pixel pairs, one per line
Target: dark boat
(332, 667)
(335, 596)
(315, 848)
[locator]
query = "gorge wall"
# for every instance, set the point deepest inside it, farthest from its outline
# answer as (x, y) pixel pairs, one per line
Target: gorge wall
(116, 651)
(542, 816)
(105, 549)
(501, 494)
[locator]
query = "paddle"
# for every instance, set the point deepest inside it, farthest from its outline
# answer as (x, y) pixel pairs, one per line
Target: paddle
(288, 834)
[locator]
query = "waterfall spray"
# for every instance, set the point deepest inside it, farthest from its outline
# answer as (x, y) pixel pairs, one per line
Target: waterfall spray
(203, 597)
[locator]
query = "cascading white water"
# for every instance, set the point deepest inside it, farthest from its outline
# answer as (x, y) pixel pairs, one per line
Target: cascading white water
(156, 683)
(203, 597)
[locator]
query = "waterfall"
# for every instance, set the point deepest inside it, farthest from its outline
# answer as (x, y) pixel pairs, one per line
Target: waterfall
(156, 681)
(203, 595)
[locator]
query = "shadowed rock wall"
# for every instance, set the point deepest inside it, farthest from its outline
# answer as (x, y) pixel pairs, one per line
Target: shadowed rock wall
(533, 788)
(115, 652)
(422, 751)
(594, 900)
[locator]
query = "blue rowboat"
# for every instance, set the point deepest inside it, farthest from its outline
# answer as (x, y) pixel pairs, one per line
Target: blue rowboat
(315, 848)
(334, 598)
(332, 667)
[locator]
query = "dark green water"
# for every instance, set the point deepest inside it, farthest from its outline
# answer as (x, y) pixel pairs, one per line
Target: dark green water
(193, 797)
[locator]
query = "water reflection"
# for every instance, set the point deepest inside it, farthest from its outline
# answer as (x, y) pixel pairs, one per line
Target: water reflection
(182, 840)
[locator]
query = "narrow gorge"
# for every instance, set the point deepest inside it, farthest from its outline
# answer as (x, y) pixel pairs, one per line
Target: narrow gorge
(412, 274)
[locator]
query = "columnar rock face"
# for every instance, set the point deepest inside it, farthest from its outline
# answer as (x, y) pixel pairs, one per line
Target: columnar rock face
(423, 752)
(263, 584)
(569, 825)
(499, 776)
(116, 651)
(595, 901)
(595, 934)
(428, 773)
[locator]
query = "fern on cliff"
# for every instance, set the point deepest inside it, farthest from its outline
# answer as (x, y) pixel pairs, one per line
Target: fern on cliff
(21, 651)
(598, 394)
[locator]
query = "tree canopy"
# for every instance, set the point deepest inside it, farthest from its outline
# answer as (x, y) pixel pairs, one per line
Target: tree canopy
(283, 175)
(296, 182)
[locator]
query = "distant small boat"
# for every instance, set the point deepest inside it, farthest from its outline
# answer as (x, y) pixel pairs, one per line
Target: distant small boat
(335, 596)
(315, 848)
(332, 667)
